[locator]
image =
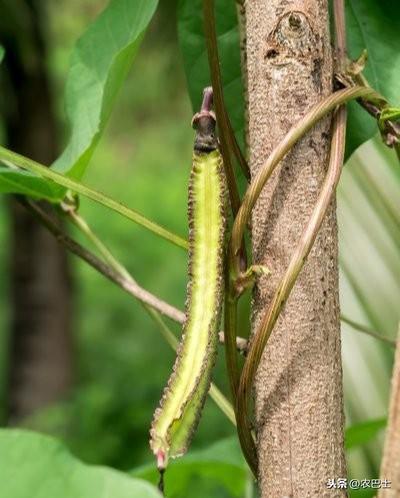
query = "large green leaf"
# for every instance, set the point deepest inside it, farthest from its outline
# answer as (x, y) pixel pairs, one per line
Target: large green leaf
(40, 467)
(373, 25)
(363, 433)
(192, 42)
(99, 64)
(369, 221)
(217, 471)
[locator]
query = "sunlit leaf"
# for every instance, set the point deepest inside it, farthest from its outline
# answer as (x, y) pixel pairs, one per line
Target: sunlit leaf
(99, 65)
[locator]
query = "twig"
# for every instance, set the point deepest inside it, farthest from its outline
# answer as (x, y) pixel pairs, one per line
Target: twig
(119, 275)
(8, 156)
(128, 285)
(366, 330)
(168, 335)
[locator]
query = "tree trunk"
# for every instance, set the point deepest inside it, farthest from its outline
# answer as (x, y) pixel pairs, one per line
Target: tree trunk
(298, 391)
(40, 352)
(390, 468)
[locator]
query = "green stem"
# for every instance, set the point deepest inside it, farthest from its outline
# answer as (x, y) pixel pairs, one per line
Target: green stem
(81, 224)
(47, 173)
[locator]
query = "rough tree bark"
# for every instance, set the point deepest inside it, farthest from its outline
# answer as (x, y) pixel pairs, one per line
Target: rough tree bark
(40, 337)
(298, 392)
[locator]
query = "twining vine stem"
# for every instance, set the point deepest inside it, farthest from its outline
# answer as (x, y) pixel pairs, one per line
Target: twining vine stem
(253, 191)
(250, 198)
(315, 114)
(227, 136)
(290, 276)
(303, 247)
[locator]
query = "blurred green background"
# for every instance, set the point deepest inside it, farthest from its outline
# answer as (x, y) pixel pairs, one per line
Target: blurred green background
(121, 361)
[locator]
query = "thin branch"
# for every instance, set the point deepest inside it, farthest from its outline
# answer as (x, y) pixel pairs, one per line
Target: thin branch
(168, 335)
(287, 282)
(8, 156)
(220, 400)
(366, 330)
(319, 111)
(116, 273)
(129, 285)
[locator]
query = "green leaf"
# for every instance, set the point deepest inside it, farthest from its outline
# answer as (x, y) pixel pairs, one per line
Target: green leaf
(99, 65)
(25, 183)
(219, 470)
(2, 52)
(373, 25)
(192, 42)
(362, 493)
(360, 434)
(40, 467)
